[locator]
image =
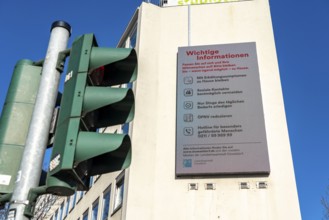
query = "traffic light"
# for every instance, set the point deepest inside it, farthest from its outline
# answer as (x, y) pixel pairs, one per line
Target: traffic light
(15, 120)
(92, 99)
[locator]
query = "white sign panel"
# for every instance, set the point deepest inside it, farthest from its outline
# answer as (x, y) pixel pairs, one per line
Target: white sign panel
(220, 125)
(5, 179)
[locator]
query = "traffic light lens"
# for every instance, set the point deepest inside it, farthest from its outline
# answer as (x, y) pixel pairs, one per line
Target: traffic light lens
(97, 76)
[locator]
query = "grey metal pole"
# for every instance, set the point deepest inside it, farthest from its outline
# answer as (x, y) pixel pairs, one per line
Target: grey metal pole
(37, 138)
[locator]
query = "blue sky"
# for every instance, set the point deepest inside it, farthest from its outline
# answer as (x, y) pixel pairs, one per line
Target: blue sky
(301, 29)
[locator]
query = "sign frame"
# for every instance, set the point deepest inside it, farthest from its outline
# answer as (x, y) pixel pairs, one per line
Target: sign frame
(220, 126)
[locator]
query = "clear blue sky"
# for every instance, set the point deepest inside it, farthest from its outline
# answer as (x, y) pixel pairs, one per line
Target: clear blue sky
(301, 30)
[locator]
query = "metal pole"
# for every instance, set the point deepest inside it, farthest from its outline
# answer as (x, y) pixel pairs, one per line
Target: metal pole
(30, 169)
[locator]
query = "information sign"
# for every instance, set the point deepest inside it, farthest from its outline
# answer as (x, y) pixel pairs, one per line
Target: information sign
(220, 125)
(195, 2)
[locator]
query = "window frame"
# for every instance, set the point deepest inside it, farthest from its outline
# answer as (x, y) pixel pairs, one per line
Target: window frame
(95, 204)
(85, 214)
(107, 191)
(119, 192)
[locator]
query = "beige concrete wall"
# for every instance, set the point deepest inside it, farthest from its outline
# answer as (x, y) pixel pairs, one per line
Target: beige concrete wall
(153, 190)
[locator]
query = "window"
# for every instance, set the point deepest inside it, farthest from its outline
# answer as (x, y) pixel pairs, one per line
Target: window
(72, 201)
(96, 177)
(67, 207)
(56, 215)
(94, 212)
(119, 188)
(85, 215)
(106, 203)
(132, 37)
(79, 195)
(93, 179)
(60, 214)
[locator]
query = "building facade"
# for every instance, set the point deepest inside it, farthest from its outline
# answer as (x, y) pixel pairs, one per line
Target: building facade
(151, 189)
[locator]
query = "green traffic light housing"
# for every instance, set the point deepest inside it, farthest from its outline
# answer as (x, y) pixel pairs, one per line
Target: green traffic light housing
(92, 99)
(109, 77)
(15, 120)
